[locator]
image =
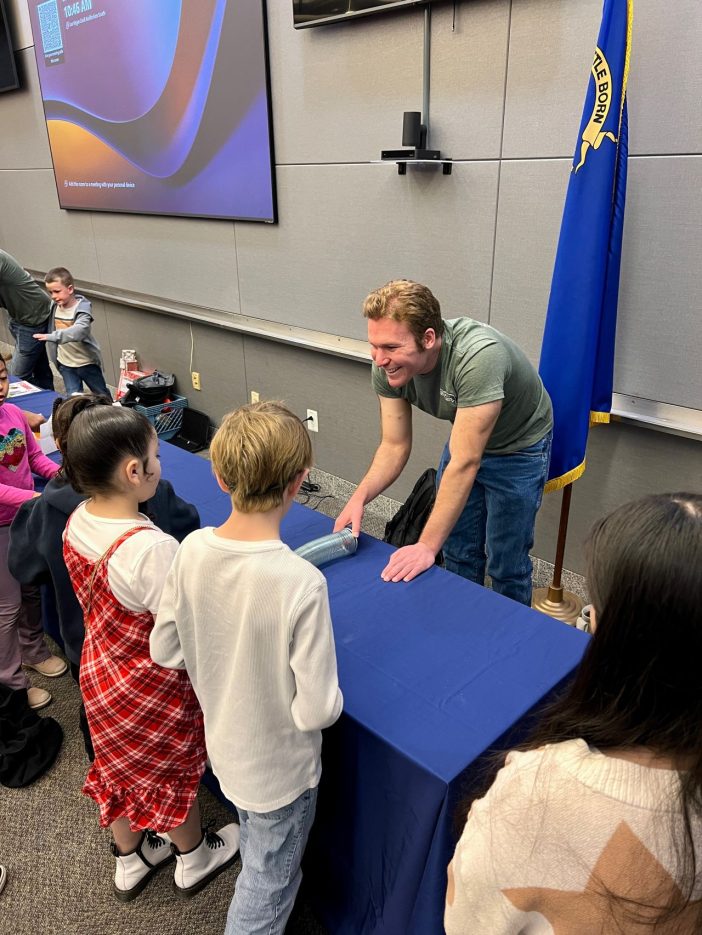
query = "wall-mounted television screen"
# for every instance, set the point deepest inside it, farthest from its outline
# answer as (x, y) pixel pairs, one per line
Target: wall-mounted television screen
(320, 12)
(158, 107)
(8, 66)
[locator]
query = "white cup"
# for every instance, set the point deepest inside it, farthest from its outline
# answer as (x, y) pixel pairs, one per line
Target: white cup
(583, 621)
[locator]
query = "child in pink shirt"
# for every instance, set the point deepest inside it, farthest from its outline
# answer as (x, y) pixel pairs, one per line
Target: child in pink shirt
(21, 637)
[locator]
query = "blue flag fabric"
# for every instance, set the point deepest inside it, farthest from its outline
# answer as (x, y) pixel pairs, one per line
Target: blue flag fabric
(577, 354)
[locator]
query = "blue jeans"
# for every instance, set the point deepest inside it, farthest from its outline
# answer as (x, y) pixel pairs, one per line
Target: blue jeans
(29, 361)
(90, 374)
(271, 847)
(499, 517)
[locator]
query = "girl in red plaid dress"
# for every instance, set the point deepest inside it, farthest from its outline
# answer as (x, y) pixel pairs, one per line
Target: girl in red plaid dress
(145, 721)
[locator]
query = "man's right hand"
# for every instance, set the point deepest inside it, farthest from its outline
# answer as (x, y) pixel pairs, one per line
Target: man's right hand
(351, 515)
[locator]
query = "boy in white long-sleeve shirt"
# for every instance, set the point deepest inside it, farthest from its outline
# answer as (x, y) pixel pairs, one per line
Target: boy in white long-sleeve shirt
(249, 620)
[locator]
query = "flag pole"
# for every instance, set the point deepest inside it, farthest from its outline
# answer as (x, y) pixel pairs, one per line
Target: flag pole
(554, 600)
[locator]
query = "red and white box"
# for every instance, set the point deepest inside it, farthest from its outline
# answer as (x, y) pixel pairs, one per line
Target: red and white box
(126, 377)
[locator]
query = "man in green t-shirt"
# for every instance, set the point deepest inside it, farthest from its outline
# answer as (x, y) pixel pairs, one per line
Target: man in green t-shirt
(29, 308)
(495, 463)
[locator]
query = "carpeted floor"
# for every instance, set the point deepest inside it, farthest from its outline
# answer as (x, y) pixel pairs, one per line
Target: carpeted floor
(60, 867)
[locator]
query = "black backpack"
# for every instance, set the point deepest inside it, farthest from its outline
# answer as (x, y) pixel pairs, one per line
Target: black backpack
(151, 390)
(407, 524)
(29, 744)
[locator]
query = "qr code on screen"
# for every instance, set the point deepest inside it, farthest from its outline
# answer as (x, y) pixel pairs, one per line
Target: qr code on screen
(50, 26)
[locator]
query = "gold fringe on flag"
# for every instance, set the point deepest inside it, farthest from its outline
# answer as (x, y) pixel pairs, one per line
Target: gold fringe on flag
(558, 483)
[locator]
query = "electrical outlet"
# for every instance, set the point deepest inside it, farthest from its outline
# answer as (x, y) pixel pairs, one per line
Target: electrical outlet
(312, 423)
(254, 396)
(196, 380)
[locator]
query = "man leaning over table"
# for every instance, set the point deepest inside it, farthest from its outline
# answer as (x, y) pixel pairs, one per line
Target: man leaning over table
(494, 466)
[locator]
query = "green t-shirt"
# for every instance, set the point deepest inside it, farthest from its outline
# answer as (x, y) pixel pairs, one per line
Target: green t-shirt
(25, 300)
(480, 365)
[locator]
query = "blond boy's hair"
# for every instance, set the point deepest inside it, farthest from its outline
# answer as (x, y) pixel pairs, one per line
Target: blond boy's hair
(257, 451)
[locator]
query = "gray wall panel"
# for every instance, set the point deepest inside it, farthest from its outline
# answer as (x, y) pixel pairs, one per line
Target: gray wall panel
(339, 92)
(550, 51)
(164, 343)
(528, 222)
(659, 326)
(623, 462)
(358, 113)
(191, 261)
(346, 230)
(221, 361)
(309, 381)
(468, 67)
(665, 86)
(551, 47)
(37, 232)
(101, 333)
(25, 140)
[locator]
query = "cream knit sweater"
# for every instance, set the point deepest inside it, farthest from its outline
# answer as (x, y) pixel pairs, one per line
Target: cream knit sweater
(559, 827)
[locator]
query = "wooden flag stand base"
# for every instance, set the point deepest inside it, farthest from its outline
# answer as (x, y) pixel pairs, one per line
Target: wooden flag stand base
(554, 600)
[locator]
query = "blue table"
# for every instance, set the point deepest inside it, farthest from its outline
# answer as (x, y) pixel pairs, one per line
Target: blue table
(434, 673)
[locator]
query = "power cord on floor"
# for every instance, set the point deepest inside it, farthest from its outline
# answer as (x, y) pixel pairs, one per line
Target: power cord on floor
(309, 487)
(315, 505)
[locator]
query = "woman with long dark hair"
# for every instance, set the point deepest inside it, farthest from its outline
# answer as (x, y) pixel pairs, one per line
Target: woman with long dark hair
(595, 826)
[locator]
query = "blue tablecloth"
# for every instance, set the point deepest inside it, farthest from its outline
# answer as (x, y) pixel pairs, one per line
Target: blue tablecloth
(434, 672)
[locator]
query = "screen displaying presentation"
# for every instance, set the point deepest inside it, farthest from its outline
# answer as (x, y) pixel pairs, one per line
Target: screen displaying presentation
(158, 106)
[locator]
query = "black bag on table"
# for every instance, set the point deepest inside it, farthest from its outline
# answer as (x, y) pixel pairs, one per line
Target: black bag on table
(407, 524)
(151, 390)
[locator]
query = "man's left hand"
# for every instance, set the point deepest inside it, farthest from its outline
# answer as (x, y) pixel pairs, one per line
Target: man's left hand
(408, 562)
(34, 420)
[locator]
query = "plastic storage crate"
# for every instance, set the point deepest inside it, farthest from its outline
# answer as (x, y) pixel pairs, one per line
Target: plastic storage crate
(166, 418)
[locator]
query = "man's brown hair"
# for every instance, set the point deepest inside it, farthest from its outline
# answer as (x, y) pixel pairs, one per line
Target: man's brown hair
(409, 302)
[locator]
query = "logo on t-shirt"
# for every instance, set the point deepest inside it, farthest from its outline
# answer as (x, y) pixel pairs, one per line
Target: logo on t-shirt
(449, 397)
(12, 449)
